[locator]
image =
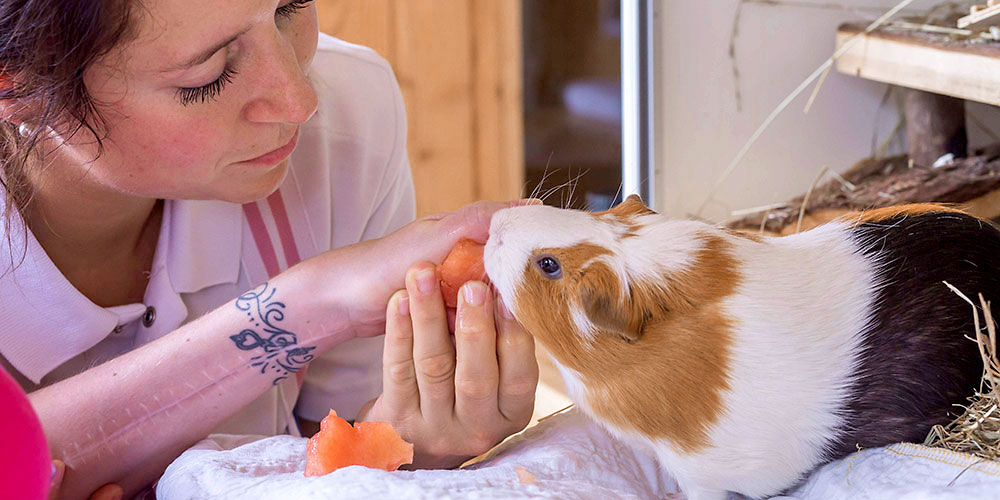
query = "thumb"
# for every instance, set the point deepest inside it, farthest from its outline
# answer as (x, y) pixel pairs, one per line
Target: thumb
(58, 471)
(108, 492)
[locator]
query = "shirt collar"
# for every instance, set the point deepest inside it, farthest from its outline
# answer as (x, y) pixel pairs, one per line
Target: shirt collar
(45, 321)
(205, 239)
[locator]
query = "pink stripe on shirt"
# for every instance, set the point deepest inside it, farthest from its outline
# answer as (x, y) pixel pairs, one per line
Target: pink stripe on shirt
(261, 238)
(281, 220)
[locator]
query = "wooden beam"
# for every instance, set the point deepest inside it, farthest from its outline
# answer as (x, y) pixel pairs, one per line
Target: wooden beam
(981, 17)
(498, 97)
(935, 64)
(935, 126)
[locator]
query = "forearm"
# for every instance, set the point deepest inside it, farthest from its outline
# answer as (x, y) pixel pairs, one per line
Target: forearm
(124, 420)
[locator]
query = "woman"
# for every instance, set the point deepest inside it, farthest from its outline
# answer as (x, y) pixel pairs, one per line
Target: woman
(196, 210)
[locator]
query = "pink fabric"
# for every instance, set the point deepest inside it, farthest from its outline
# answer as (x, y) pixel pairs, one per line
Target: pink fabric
(261, 238)
(280, 214)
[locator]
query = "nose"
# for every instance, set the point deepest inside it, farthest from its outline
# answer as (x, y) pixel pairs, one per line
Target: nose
(287, 95)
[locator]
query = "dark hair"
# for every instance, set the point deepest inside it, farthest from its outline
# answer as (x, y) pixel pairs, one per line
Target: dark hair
(45, 48)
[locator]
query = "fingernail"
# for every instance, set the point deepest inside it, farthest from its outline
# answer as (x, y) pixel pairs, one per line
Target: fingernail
(403, 304)
(503, 309)
(532, 201)
(55, 470)
(475, 294)
(425, 281)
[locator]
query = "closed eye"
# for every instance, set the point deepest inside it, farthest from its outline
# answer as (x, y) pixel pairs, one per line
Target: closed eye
(208, 92)
(286, 11)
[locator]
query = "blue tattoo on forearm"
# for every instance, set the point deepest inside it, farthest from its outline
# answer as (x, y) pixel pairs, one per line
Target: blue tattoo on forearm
(282, 354)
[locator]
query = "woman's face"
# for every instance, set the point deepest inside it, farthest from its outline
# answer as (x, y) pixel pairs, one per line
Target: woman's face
(205, 102)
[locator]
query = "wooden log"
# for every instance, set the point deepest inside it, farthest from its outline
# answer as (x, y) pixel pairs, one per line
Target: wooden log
(971, 183)
(935, 126)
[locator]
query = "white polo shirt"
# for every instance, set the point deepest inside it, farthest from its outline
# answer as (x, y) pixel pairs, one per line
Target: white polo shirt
(349, 181)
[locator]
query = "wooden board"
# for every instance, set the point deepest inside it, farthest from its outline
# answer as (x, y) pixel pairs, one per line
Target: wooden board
(981, 17)
(935, 64)
(458, 63)
(972, 183)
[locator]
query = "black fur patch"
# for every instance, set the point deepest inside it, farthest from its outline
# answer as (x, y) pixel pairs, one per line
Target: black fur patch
(917, 362)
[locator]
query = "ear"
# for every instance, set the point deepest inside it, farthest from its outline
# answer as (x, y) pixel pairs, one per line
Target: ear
(632, 206)
(12, 110)
(607, 308)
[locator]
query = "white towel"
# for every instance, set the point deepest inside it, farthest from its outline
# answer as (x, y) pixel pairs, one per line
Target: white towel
(568, 457)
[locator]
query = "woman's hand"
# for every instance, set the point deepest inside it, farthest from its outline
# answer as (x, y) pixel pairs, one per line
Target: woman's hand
(106, 492)
(360, 278)
(453, 402)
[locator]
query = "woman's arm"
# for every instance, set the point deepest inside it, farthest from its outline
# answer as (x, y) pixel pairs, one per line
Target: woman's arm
(125, 420)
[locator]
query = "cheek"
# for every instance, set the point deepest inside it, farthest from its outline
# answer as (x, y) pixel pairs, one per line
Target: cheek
(305, 35)
(174, 146)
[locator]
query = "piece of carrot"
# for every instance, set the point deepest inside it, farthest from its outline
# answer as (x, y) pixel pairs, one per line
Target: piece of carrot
(371, 444)
(463, 263)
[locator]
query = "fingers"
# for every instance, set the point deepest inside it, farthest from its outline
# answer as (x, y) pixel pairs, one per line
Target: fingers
(433, 354)
(477, 373)
(474, 219)
(58, 472)
(108, 492)
(400, 396)
(518, 368)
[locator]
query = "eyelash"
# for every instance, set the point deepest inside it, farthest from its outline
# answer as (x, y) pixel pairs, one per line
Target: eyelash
(191, 95)
(288, 9)
(208, 92)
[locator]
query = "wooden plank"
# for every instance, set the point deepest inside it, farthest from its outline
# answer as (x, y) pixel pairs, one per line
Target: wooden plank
(434, 66)
(498, 88)
(971, 74)
(366, 23)
(458, 63)
(981, 17)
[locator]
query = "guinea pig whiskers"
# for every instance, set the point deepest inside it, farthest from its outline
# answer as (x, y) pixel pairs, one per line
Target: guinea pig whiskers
(574, 183)
(545, 176)
(571, 183)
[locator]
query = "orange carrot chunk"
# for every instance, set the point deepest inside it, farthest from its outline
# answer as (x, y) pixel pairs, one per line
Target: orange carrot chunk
(371, 444)
(463, 263)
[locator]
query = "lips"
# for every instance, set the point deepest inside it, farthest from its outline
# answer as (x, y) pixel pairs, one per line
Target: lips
(278, 155)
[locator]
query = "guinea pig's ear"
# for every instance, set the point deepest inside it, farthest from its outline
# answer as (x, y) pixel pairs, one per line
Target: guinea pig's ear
(632, 206)
(605, 307)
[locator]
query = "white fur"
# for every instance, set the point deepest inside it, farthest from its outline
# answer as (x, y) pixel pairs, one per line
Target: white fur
(800, 312)
(538, 226)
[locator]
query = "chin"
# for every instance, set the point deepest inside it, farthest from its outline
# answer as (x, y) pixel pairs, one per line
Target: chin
(248, 189)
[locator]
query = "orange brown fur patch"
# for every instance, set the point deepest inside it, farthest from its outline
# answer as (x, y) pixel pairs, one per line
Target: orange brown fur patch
(668, 382)
(739, 233)
(885, 213)
(627, 212)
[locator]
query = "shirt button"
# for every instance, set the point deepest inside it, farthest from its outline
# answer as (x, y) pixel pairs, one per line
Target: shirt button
(149, 317)
(118, 329)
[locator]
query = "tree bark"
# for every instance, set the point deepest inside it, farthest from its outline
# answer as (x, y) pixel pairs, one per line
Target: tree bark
(935, 126)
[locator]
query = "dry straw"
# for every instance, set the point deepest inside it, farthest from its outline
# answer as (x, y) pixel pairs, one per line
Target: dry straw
(977, 431)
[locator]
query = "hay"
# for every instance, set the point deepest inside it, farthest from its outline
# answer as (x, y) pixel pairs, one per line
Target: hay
(977, 431)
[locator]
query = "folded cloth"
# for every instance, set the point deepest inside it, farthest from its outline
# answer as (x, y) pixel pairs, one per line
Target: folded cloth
(904, 471)
(567, 457)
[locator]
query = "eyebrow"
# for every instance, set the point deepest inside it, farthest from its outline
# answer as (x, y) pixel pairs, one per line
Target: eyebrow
(206, 54)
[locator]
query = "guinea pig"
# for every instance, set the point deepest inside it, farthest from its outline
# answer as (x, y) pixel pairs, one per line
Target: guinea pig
(744, 362)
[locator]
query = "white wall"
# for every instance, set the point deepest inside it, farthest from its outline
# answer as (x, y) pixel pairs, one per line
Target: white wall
(777, 47)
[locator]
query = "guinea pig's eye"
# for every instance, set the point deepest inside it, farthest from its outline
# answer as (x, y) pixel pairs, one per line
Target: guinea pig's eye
(549, 266)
